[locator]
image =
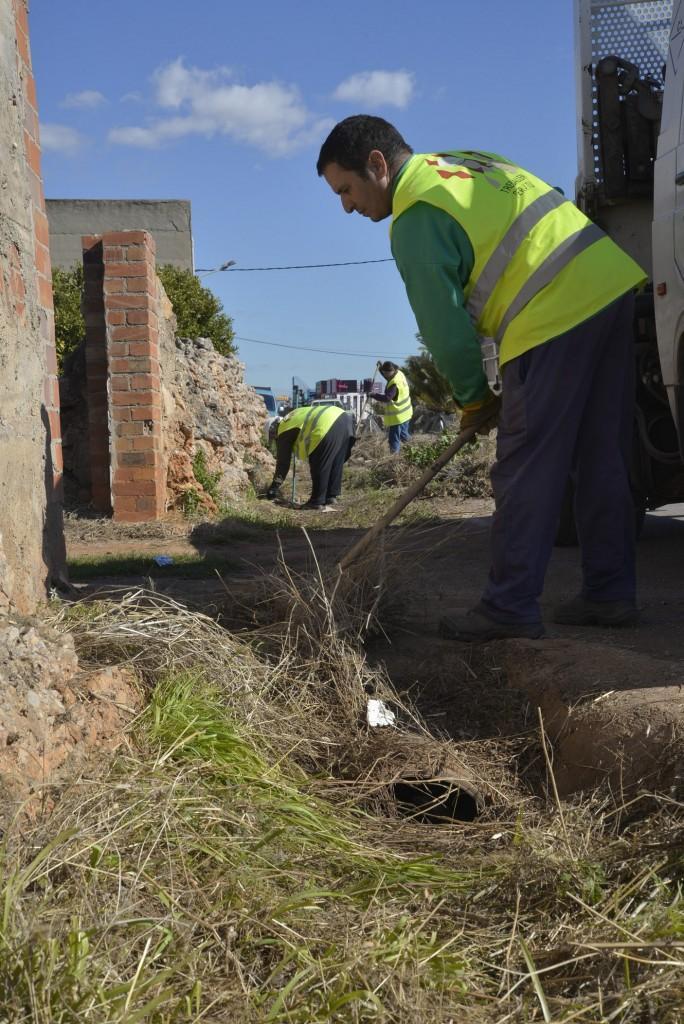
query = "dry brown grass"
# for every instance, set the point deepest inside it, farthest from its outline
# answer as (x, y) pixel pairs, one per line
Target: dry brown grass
(247, 860)
(466, 476)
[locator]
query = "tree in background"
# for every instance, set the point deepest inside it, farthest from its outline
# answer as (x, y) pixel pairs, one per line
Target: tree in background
(428, 386)
(198, 311)
(67, 288)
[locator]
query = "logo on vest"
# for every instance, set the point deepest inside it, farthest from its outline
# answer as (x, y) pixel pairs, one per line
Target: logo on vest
(495, 172)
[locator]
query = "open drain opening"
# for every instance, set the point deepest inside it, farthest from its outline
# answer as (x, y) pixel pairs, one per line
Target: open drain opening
(435, 801)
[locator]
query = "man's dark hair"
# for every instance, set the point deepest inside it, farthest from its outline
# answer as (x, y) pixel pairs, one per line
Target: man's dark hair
(387, 366)
(352, 140)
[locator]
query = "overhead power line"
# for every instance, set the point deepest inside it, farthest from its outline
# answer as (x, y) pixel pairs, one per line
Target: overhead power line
(304, 348)
(301, 266)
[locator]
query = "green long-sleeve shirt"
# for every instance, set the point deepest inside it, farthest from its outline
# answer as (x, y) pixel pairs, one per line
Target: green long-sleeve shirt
(435, 259)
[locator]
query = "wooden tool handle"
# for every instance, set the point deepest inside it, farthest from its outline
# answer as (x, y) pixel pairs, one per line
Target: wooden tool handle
(409, 494)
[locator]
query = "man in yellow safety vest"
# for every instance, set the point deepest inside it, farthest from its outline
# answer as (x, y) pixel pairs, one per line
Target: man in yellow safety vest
(492, 255)
(397, 409)
(324, 435)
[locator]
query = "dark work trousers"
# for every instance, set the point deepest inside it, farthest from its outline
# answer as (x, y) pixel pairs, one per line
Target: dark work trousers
(327, 460)
(568, 408)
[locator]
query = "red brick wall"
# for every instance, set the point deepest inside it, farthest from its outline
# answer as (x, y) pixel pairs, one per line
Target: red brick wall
(122, 360)
(41, 240)
(96, 374)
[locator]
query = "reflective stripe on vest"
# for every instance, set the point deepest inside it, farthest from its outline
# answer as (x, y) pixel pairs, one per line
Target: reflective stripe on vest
(313, 422)
(502, 255)
(401, 409)
(544, 274)
(522, 231)
(304, 448)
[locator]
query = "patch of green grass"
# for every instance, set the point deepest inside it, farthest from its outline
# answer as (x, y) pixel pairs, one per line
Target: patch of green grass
(191, 500)
(191, 503)
(186, 566)
(209, 481)
(203, 881)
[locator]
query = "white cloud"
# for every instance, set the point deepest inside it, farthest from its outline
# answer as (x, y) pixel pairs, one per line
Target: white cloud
(377, 88)
(60, 138)
(176, 83)
(85, 100)
(269, 115)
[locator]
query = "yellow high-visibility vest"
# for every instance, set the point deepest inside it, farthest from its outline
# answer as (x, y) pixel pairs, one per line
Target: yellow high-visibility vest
(541, 267)
(313, 422)
(401, 409)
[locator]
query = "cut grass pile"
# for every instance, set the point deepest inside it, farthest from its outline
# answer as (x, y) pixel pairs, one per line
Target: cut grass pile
(373, 467)
(226, 869)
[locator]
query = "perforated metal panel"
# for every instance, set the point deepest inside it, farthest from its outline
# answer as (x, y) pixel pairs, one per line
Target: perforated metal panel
(638, 32)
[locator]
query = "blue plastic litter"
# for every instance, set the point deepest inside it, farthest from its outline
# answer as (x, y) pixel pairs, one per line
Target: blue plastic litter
(163, 560)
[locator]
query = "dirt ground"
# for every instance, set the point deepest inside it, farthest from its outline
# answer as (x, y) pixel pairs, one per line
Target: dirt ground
(445, 555)
(629, 679)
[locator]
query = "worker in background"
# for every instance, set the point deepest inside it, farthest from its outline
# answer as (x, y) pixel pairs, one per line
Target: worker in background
(396, 402)
(324, 435)
(488, 250)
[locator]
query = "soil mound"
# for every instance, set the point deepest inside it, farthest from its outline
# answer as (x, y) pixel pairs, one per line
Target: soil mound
(613, 716)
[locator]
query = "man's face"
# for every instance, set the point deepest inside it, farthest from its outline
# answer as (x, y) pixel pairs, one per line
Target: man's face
(367, 194)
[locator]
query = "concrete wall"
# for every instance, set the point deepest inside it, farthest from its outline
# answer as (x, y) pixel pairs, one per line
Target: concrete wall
(31, 541)
(167, 220)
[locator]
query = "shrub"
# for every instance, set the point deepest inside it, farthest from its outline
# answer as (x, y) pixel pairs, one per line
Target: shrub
(67, 289)
(198, 311)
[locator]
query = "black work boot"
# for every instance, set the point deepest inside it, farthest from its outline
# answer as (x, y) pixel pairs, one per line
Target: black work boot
(310, 506)
(476, 626)
(583, 612)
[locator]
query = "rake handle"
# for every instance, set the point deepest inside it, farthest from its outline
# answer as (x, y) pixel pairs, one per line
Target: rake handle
(409, 494)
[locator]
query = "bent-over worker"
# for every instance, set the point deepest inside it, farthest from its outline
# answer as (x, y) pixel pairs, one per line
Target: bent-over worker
(487, 249)
(324, 435)
(397, 408)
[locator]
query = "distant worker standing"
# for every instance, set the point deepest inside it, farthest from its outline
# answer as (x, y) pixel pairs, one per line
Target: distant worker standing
(488, 250)
(396, 401)
(322, 434)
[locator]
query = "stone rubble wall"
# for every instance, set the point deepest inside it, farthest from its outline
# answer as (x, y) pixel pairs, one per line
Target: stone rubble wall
(209, 408)
(52, 713)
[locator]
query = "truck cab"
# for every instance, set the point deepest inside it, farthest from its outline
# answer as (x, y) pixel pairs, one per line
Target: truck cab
(630, 86)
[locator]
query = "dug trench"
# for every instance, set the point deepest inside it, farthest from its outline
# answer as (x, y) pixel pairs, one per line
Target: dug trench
(579, 712)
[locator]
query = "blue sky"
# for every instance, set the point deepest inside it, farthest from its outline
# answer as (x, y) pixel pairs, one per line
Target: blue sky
(226, 104)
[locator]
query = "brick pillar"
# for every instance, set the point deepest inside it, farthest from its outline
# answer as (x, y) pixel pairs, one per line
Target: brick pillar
(96, 373)
(122, 322)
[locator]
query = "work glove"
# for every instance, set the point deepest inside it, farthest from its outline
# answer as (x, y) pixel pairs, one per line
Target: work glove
(485, 413)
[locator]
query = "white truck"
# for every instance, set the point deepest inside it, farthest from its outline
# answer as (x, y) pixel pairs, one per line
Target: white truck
(630, 85)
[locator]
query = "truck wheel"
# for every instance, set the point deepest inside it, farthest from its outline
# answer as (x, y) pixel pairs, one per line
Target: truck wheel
(566, 533)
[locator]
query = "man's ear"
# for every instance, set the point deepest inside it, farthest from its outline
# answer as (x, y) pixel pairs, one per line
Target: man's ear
(377, 165)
